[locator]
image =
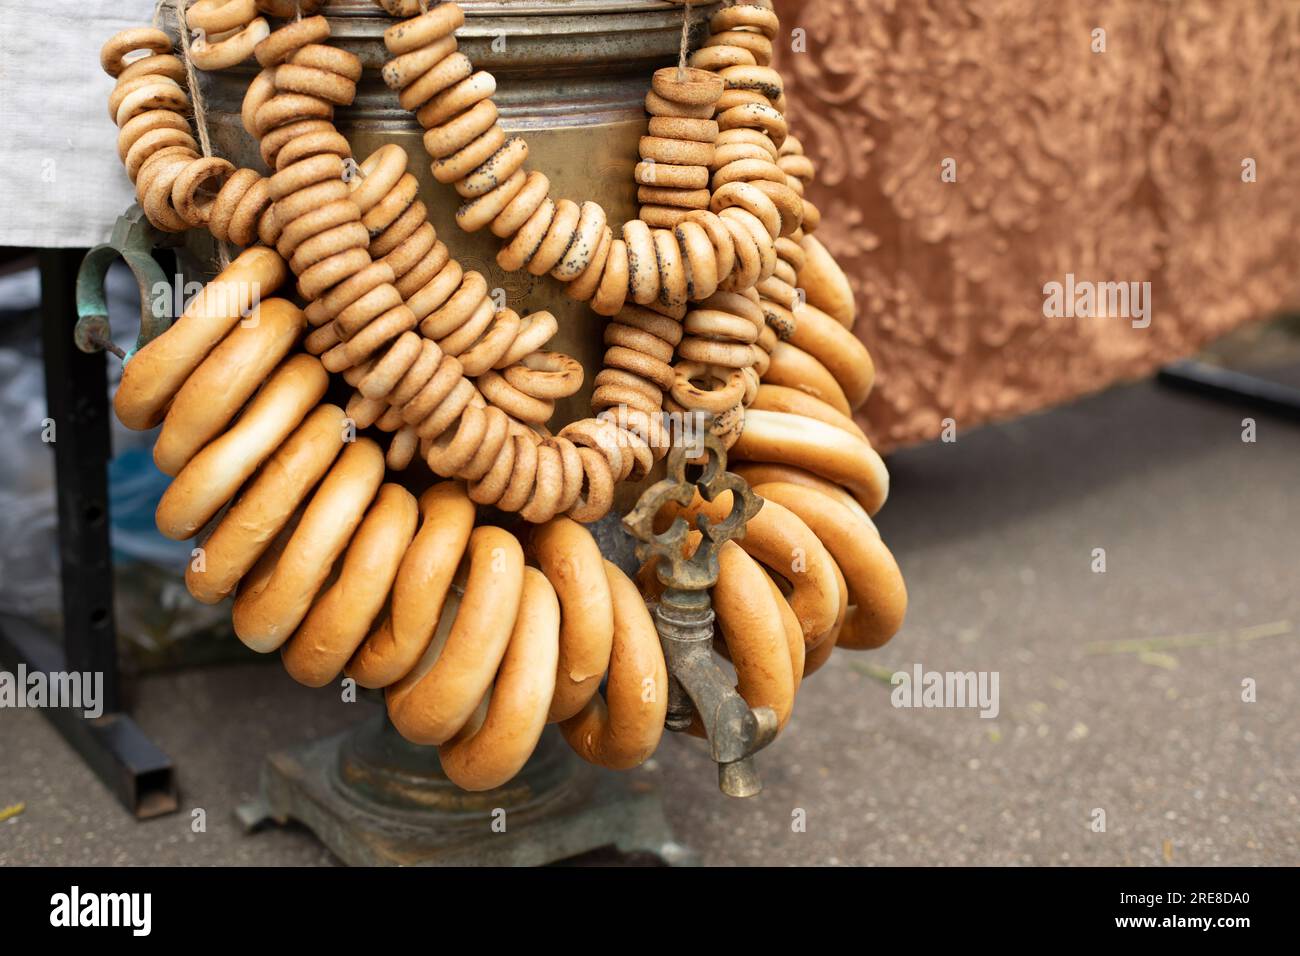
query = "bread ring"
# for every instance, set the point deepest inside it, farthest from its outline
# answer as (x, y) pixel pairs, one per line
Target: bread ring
(113, 54)
(757, 44)
(152, 93)
(546, 375)
(781, 398)
(624, 732)
(597, 495)
(583, 245)
(453, 449)
(523, 206)
(212, 477)
(793, 367)
(306, 227)
(221, 55)
(612, 291)
(285, 41)
(656, 105)
(547, 486)
(330, 59)
(837, 349)
(328, 273)
(825, 284)
(690, 86)
(462, 96)
(276, 139)
(220, 16)
(312, 81)
(148, 122)
(420, 590)
(567, 553)
(463, 162)
(672, 273)
(266, 504)
(440, 21)
(682, 127)
(340, 617)
(558, 238)
(676, 152)
(715, 58)
(477, 212)
(216, 391)
(755, 16)
(486, 754)
(664, 217)
(584, 286)
(753, 200)
(400, 72)
(754, 630)
(277, 594)
(435, 700)
(512, 401)
(306, 200)
(714, 401)
(153, 141)
(153, 375)
(624, 333)
(516, 253)
(125, 86)
(876, 591)
(815, 446)
(445, 415)
(642, 264)
(759, 116)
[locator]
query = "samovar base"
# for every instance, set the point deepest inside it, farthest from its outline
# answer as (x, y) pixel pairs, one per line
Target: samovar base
(376, 800)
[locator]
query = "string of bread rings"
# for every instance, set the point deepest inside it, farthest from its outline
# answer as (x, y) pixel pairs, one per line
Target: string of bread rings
(480, 638)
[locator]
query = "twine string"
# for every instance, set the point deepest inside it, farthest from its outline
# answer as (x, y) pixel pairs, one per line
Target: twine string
(200, 107)
(686, 39)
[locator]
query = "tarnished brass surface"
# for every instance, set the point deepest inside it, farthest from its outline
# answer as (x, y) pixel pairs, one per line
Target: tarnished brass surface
(571, 75)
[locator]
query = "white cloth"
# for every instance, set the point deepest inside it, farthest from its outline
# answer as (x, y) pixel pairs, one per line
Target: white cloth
(61, 183)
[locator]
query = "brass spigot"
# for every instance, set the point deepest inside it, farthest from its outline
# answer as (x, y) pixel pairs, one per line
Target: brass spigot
(698, 687)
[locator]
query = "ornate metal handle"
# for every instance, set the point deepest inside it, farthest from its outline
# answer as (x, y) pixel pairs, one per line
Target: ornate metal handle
(684, 615)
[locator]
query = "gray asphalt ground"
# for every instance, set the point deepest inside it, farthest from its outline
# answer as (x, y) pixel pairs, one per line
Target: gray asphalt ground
(1120, 691)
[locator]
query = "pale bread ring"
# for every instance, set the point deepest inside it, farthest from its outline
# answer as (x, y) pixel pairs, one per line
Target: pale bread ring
(211, 478)
(276, 595)
(876, 590)
(624, 732)
(154, 374)
(266, 504)
(420, 589)
(488, 753)
(793, 367)
(213, 395)
(568, 555)
(818, 447)
(340, 617)
(436, 699)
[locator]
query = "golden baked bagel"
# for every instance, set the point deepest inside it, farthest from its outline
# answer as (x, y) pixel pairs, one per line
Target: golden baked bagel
(494, 746)
(622, 728)
(785, 439)
(154, 374)
(825, 284)
(876, 592)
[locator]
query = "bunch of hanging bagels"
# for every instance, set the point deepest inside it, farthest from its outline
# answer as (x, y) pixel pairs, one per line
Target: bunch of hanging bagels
(722, 306)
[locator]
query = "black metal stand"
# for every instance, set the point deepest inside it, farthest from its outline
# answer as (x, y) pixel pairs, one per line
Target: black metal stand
(1228, 385)
(138, 773)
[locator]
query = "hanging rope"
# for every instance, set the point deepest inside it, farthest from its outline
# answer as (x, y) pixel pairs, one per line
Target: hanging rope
(196, 98)
(686, 39)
